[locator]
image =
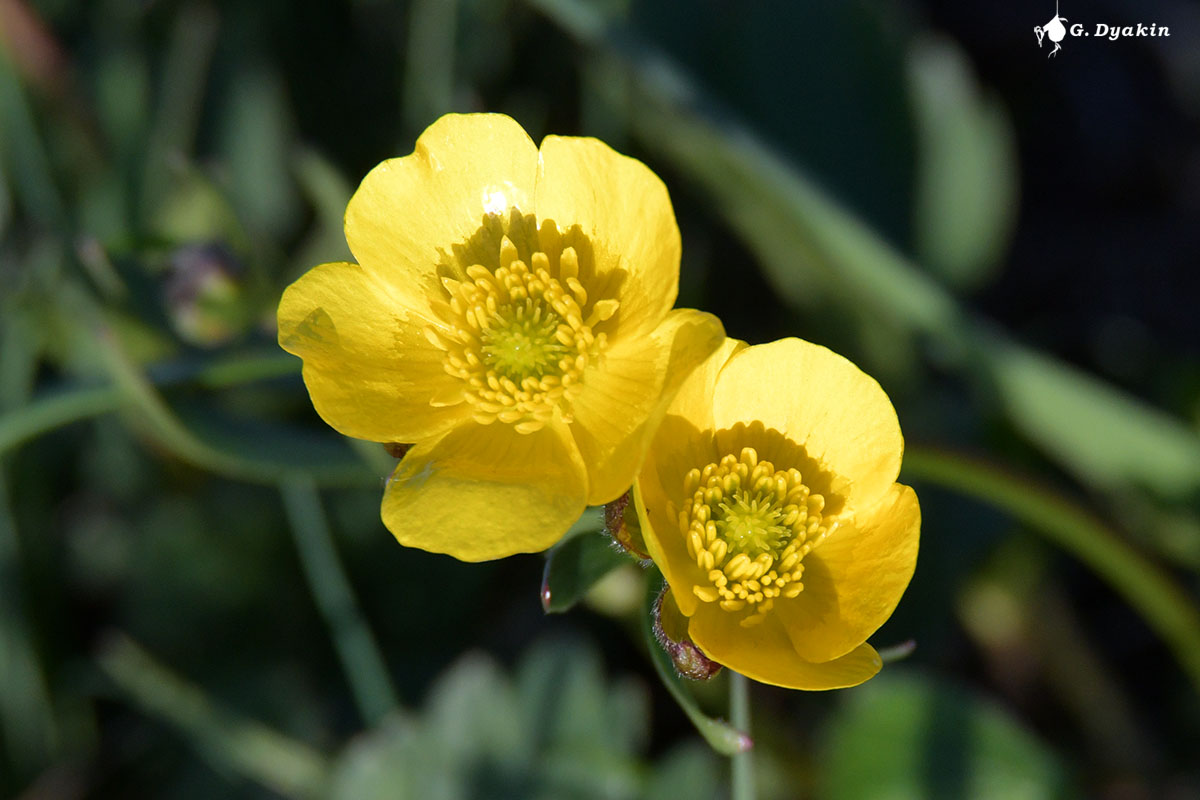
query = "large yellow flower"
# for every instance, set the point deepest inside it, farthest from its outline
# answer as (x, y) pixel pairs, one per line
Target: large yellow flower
(510, 316)
(769, 500)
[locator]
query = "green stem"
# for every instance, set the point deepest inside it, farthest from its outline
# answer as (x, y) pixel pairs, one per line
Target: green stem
(47, 413)
(721, 736)
(739, 717)
(1167, 608)
(355, 644)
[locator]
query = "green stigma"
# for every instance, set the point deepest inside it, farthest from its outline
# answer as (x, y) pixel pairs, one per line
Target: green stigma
(751, 524)
(521, 341)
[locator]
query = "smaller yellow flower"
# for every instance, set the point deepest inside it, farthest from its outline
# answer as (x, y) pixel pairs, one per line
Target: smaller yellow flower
(769, 501)
(510, 317)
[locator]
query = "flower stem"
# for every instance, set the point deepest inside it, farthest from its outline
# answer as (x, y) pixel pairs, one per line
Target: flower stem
(739, 717)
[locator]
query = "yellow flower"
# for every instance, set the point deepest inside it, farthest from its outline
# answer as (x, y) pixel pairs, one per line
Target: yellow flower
(768, 500)
(510, 316)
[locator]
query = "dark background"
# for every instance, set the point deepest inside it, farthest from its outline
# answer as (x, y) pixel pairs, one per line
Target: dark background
(166, 168)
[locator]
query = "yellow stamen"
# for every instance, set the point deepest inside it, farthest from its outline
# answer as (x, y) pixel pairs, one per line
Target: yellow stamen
(748, 526)
(511, 319)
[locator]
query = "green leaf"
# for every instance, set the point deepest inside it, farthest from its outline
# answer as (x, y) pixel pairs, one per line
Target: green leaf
(256, 130)
(966, 193)
(328, 192)
(1165, 606)
(23, 148)
(687, 771)
(184, 78)
(574, 565)
(390, 761)
(566, 704)
(558, 730)
(1106, 437)
(720, 735)
(903, 735)
(474, 716)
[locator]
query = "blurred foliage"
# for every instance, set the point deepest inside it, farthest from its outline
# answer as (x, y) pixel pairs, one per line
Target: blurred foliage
(1007, 243)
(883, 746)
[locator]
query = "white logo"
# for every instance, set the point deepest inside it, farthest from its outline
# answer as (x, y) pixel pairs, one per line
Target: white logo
(1055, 30)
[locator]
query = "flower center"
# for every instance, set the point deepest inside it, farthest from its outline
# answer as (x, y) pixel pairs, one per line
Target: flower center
(522, 342)
(516, 320)
(748, 526)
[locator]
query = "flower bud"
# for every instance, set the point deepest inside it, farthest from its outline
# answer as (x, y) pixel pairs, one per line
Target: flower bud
(670, 629)
(206, 296)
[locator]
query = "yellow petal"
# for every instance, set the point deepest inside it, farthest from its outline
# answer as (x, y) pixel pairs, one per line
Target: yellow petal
(815, 397)
(624, 209)
(671, 621)
(854, 579)
(367, 364)
(694, 402)
(485, 492)
(681, 442)
(764, 652)
(624, 400)
(464, 165)
(664, 543)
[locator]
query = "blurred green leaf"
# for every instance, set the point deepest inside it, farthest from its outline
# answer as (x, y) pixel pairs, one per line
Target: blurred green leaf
(720, 735)
(123, 99)
(688, 771)
(566, 704)
(30, 732)
(228, 741)
(966, 193)
(1102, 435)
(393, 762)
(902, 735)
(6, 209)
(180, 99)
(556, 730)
(473, 714)
(575, 565)
(24, 151)
(429, 82)
(256, 135)
(329, 193)
(1165, 606)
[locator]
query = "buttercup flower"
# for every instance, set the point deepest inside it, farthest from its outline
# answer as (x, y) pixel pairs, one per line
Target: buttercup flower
(510, 317)
(769, 501)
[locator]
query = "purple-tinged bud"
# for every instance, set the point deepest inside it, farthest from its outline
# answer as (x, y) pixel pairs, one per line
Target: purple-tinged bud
(670, 629)
(205, 295)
